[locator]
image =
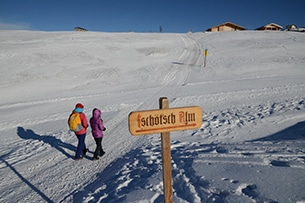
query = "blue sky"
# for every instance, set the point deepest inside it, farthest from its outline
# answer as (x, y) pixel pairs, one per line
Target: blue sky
(147, 15)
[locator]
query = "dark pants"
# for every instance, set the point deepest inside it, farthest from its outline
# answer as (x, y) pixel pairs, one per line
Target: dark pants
(81, 146)
(99, 149)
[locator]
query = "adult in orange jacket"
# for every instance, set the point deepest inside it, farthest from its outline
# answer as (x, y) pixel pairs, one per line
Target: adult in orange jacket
(81, 134)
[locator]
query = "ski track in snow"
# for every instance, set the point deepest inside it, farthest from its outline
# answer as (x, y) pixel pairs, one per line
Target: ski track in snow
(37, 167)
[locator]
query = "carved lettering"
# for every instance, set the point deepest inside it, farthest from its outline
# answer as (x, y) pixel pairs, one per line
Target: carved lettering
(186, 117)
(155, 120)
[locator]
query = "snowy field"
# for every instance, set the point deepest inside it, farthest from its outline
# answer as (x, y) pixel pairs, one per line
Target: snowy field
(250, 147)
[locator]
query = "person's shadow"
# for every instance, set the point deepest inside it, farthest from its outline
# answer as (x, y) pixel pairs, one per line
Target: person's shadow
(295, 132)
(51, 140)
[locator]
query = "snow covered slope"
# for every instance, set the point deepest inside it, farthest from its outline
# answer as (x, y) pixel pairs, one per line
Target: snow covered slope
(250, 147)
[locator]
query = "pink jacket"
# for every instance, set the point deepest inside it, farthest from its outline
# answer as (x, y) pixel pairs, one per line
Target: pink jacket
(96, 124)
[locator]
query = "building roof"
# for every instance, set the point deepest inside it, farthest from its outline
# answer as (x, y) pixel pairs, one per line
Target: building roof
(80, 29)
(268, 25)
(229, 24)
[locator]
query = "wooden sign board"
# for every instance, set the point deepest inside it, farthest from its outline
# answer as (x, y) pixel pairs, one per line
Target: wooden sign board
(165, 120)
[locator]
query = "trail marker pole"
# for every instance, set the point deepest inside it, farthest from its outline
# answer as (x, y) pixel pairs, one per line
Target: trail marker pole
(165, 120)
(205, 57)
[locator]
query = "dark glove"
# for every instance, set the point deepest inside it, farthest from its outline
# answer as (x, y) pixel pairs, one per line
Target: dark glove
(104, 129)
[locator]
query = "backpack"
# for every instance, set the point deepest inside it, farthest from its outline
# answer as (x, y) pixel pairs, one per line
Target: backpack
(74, 122)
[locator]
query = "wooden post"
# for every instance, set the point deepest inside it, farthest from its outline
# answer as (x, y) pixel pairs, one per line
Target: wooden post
(166, 158)
(163, 121)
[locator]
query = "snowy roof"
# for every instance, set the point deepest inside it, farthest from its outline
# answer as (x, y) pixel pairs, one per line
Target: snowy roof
(230, 24)
(269, 25)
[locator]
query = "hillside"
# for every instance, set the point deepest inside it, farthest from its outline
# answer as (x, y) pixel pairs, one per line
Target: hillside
(250, 147)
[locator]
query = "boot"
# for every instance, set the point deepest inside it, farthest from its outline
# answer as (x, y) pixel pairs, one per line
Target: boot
(85, 151)
(95, 158)
(102, 153)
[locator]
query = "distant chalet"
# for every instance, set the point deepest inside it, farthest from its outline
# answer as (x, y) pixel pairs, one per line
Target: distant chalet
(80, 29)
(294, 28)
(228, 26)
(270, 26)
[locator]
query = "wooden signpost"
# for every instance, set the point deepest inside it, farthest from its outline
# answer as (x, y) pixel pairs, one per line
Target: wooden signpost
(165, 120)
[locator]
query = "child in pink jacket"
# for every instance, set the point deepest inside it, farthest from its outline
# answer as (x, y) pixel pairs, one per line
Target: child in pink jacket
(97, 128)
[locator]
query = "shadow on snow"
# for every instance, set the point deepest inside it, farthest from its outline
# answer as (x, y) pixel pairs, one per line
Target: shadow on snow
(51, 140)
(123, 176)
(295, 132)
(132, 172)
